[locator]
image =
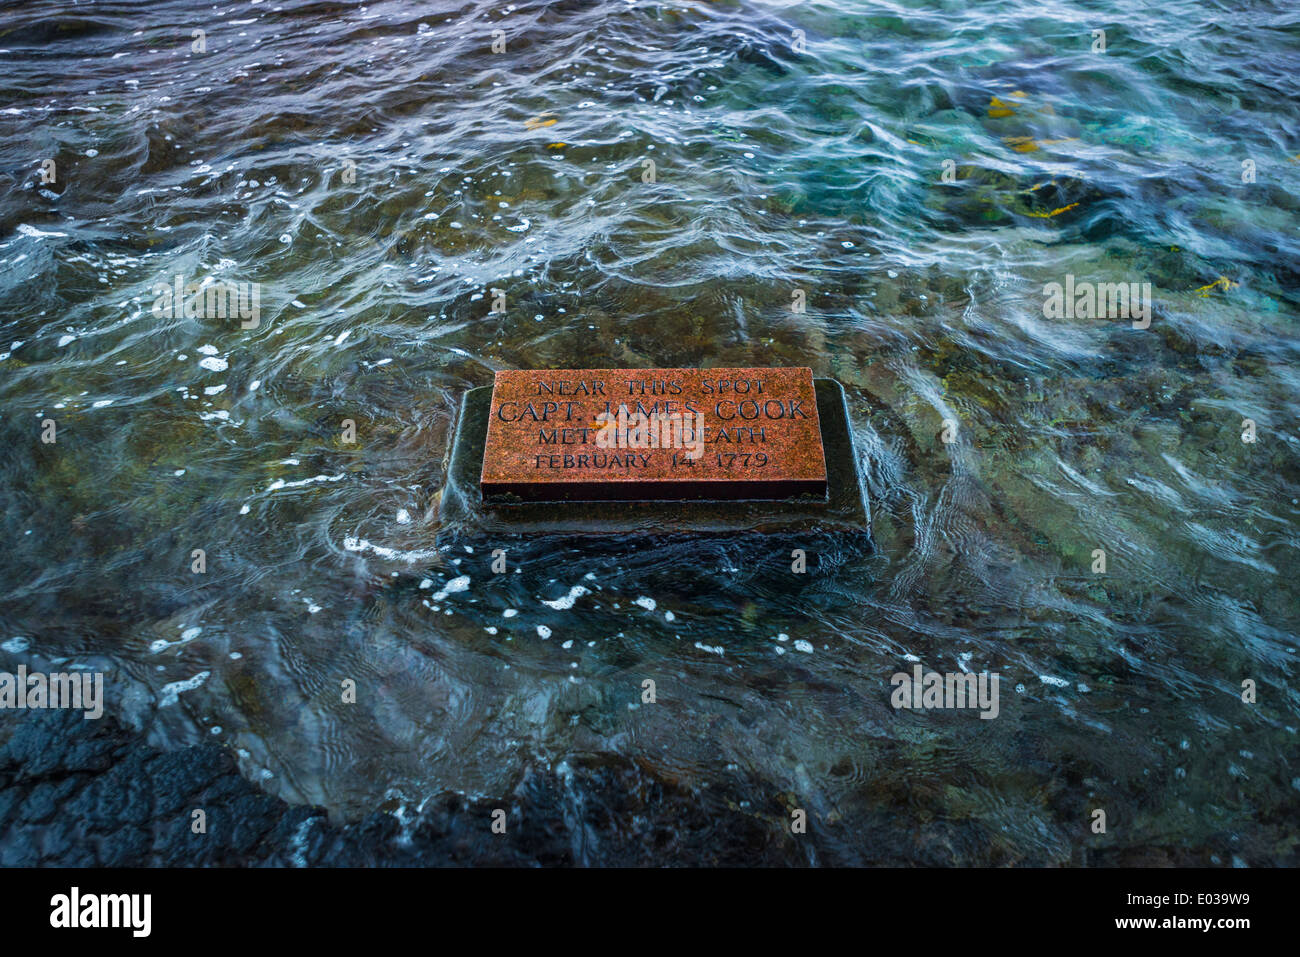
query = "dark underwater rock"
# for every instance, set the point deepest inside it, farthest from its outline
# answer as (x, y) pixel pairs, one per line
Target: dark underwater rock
(78, 793)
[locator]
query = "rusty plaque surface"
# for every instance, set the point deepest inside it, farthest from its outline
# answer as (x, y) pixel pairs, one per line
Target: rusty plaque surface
(653, 434)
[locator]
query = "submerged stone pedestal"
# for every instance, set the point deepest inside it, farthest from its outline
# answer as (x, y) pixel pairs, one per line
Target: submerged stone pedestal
(814, 488)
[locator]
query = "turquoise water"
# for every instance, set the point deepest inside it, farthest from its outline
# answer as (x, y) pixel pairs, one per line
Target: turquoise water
(377, 170)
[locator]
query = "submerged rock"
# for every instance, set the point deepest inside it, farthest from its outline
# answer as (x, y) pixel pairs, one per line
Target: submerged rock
(78, 793)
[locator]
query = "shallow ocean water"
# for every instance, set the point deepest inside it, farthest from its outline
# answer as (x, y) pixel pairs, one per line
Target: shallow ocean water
(378, 170)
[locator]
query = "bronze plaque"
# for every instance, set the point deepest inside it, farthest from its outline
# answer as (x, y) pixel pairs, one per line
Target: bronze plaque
(653, 434)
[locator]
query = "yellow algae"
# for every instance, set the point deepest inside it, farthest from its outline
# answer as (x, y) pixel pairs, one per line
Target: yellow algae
(542, 119)
(1021, 144)
(998, 109)
(1055, 212)
(1027, 144)
(1223, 281)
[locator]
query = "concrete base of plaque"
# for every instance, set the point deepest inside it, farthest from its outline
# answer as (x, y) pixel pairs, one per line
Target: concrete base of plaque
(467, 513)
